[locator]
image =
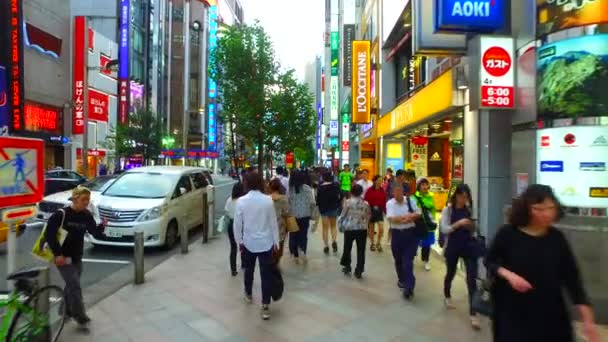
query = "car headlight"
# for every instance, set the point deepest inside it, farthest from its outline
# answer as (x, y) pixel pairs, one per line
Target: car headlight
(153, 213)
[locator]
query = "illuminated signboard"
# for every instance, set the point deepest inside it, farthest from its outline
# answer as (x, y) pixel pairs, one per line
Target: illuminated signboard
(11, 66)
(79, 86)
(497, 74)
(212, 132)
(335, 52)
(319, 122)
(361, 89)
(123, 66)
(558, 15)
(334, 98)
(41, 118)
(98, 105)
(469, 15)
(212, 95)
(349, 36)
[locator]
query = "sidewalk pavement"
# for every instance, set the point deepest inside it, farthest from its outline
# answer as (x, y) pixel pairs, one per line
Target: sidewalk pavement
(194, 298)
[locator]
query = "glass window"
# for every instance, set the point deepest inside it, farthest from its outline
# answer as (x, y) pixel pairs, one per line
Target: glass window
(184, 183)
(99, 183)
(142, 185)
(199, 180)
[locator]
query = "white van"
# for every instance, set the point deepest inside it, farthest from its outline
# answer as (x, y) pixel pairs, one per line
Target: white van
(157, 200)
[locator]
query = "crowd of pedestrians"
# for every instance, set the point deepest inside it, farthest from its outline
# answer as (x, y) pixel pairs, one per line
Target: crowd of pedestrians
(529, 262)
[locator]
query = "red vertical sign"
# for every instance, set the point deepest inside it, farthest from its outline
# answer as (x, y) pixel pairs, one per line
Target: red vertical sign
(15, 63)
(289, 157)
(79, 85)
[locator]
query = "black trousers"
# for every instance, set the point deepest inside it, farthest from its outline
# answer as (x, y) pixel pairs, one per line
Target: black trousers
(425, 253)
(360, 236)
(233, 247)
(266, 264)
(470, 263)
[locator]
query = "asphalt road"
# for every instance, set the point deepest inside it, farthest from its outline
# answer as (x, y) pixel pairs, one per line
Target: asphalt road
(102, 262)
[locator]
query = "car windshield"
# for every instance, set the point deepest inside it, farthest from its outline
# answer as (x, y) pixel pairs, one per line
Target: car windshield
(142, 185)
(99, 183)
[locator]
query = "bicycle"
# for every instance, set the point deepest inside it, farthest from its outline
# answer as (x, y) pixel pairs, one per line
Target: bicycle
(29, 311)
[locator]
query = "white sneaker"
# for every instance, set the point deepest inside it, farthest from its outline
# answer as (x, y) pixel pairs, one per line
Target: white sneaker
(248, 299)
(265, 312)
(427, 266)
(448, 304)
(303, 257)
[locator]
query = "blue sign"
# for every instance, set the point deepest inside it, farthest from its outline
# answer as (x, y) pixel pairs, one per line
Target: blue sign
(552, 166)
(592, 166)
(212, 128)
(212, 132)
(470, 15)
(319, 122)
(5, 117)
(123, 45)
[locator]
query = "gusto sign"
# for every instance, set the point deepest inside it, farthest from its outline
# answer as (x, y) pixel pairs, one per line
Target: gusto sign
(361, 82)
(497, 72)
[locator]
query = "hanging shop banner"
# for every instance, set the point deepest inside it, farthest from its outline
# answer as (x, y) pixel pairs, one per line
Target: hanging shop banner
(289, 159)
(361, 82)
(319, 124)
(349, 37)
(79, 85)
(571, 78)
(557, 15)
(573, 160)
(11, 66)
(98, 105)
(419, 153)
(212, 95)
(335, 53)
(123, 66)
(497, 72)
(470, 15)
(334, 98)
(334, 128)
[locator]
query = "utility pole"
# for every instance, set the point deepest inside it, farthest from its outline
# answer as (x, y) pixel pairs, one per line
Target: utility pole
(186, 118)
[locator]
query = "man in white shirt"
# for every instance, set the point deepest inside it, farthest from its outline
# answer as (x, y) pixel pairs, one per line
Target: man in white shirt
(281, 175)
(401, 212)
(364, 181)
(257, 232)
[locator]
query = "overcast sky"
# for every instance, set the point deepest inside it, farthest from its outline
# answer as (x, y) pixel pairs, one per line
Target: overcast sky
(295, 26)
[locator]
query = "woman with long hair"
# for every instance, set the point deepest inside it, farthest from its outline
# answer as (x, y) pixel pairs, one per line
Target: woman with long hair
(532, 265)
(376, 198)
(301, 201)
(328, 200)
(457, 224)
(281, 208)
(237, 191)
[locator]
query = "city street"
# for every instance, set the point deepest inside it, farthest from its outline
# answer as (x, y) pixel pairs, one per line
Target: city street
(107, 268)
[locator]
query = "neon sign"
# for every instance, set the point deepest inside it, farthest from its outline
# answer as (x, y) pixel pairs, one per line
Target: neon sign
(79, 86)
(212, 128)
(123, 66)
(15, 64)
(41, 118)
(469, 15)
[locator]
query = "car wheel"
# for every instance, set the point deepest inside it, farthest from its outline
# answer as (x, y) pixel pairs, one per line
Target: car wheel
(171, 235)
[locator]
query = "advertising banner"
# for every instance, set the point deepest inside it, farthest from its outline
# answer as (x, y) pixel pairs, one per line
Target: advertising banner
(79, 85)
(557, 15)
(335, 53)
(419, 155)
(334, 128)
(470, 15)
(123, 66)
(349, 37)
(497, 73)
(98, 105)
(572, 78)
(42, 118)
(573, 161)
(334, 98)
(11, 66)
(212, 95)
(526, 84)
(361, 88)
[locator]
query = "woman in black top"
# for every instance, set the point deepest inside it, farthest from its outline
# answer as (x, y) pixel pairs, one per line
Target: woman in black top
(532, 263)
(76, 220)
(328, 200)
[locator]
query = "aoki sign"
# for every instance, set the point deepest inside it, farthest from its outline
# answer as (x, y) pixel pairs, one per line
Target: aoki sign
(361, 82)
(469, 15)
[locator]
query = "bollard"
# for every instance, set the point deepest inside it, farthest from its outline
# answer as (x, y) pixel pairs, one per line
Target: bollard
(139, 257)
(183, 234)
(211, 210)
(205, 217)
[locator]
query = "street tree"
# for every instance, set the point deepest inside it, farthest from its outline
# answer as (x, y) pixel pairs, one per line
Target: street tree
(141, 136)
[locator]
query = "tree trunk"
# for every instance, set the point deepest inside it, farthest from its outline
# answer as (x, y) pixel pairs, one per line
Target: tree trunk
(260, 152)
(233, 141)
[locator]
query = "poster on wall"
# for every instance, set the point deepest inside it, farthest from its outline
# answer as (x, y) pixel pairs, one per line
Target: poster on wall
(394, 156)
(419, 153)
(562, 14)
(573, 160)
(572, 78)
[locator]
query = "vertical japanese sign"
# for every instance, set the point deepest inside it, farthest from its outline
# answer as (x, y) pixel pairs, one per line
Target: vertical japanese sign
(319, 123)
(212, 95)
(11, 66)
(349, 36)
(361, 82)
(334, 95)
(335, 52)
(123, 66)
(345, 137)
(79, 86)
(497, 72)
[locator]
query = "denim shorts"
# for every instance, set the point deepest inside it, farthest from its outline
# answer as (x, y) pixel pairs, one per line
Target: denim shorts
(331, 213)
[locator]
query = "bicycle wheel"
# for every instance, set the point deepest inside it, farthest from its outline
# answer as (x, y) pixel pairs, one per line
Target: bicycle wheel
(31, 325)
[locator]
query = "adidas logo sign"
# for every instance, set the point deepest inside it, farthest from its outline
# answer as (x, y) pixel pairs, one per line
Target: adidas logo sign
(600, 141)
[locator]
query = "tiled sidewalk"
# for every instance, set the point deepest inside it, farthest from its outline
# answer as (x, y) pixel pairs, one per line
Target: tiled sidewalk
(194, 298)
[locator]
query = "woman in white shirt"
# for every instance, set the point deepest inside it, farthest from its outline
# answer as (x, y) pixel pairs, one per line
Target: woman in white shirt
(257, 232)
(237, 191)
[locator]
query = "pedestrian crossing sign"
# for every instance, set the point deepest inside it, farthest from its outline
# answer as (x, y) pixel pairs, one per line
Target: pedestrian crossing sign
(21, 171)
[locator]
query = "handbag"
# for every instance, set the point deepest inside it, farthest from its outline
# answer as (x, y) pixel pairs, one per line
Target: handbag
(41, 249)
(482, 298)
(420, 229)
(291, 224)
(341, 223)
(477, 246)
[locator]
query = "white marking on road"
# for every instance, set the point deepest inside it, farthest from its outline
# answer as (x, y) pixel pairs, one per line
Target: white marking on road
(106, 261)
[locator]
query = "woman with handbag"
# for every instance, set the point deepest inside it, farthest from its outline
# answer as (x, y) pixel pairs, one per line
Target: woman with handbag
(376, 198)
(354, 222)
(76, 220)
(456, 223)
(301, 202)
(281, 208)
(533, 267)
(426, 201)
(328, 201)
(237, 191)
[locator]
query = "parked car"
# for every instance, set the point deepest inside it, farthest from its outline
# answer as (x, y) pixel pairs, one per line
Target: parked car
(56, 201)
(157, 200)
(61, 180)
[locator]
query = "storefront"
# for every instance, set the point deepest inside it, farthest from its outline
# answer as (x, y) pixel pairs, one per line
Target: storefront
(368, 148)
(96, 159)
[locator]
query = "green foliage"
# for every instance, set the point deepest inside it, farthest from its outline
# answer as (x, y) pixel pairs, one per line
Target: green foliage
(143, 135)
